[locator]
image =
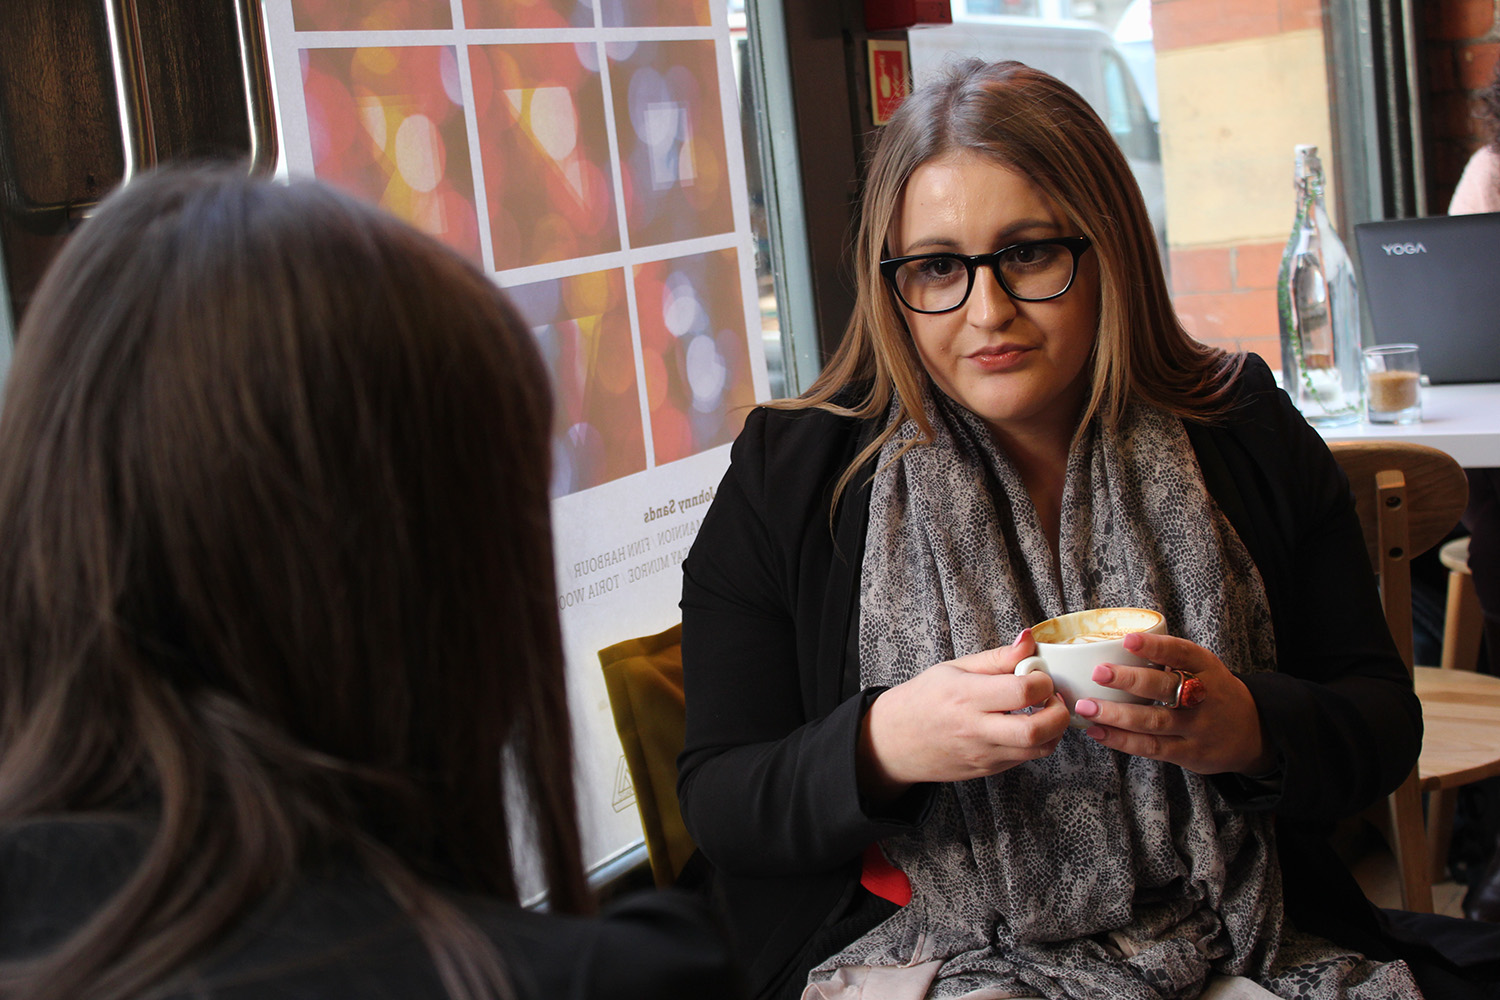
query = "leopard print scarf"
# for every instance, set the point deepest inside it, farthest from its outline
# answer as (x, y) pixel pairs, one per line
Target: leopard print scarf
(1088, 873)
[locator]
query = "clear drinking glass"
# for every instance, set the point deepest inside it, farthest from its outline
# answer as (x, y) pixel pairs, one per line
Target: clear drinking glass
(1393, 384)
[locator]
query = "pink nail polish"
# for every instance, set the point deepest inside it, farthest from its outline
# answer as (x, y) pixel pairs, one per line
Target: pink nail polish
(1087, 707)
(1103, 673)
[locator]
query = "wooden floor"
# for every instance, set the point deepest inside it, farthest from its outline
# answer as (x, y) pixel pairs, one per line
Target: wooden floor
(1375, 869)
(1464, 702)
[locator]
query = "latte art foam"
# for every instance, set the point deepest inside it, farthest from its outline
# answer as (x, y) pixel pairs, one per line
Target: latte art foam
(1096, 625)
(1098, 636)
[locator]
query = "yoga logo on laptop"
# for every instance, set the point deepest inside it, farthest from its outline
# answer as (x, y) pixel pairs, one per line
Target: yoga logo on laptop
(1401, 249)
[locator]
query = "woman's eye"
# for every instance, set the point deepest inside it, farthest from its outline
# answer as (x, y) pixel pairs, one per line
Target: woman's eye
(938, 268)
(1029, 256)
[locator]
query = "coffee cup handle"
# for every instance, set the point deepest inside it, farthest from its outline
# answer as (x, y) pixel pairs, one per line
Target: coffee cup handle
(1031, 665)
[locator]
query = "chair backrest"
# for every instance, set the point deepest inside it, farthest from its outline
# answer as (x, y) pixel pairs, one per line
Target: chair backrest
(644, 679)
(1408, 496)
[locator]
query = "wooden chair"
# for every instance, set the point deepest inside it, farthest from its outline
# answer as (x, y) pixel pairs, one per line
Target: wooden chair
(1463, 619)
(1462, 708)
(1408, 496)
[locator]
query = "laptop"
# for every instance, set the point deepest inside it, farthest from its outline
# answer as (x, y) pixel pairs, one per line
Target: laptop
(1435, 282)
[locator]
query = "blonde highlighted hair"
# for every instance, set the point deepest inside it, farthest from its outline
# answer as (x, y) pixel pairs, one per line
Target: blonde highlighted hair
(1037, 125)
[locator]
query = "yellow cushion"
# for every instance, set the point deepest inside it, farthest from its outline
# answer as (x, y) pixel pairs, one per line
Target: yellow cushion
(644, 680)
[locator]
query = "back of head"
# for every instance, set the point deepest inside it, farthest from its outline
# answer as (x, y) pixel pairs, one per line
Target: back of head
(275, 560)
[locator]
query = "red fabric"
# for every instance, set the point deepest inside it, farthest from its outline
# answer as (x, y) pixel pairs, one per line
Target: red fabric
(883, 878)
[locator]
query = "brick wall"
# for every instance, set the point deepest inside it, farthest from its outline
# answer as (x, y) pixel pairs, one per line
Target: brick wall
(1460, 49)
(1226, 296)
(1179, 23)
(1225, 293)
(1224, 264)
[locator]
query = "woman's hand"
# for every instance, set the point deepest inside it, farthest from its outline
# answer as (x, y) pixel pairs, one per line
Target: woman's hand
(1222, 733)
(953, 721)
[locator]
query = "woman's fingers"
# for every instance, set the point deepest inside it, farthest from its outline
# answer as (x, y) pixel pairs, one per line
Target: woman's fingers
(1216, 730)
(972, 716)
(1222, 734)
(962, 719)
(1039, 727)
(1159, 682)
(1170, 651)
(1005, 739)
(1149, 731)
(1155, 684)
(1000, 694)
(1001, 659)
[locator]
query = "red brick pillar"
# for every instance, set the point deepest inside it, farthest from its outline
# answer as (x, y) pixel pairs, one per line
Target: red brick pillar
(1224, 256)
(1462, 44)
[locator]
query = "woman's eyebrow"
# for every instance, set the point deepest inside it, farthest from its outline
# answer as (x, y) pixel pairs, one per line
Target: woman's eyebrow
(1008, 235)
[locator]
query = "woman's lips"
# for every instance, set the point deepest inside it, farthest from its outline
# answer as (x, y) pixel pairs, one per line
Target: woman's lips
(1001, 358)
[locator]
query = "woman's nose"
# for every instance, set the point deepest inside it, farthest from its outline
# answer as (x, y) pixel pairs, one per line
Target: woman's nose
(989, 305)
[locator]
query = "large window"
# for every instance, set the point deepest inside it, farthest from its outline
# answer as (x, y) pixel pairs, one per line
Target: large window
(1208, 99)
(773, 170)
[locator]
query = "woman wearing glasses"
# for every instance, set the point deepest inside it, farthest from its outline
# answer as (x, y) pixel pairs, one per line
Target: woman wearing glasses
(1016, 426)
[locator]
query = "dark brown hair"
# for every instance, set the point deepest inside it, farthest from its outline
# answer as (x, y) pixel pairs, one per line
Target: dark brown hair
(276, 570)
(1037, 125)
(1489, 108)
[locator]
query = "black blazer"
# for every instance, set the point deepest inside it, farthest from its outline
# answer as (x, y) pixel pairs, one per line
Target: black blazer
(338, 934)
(767, 778)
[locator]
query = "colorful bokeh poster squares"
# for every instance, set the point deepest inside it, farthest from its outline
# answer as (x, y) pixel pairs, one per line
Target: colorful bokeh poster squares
(544, 146)
(387, 124)
(582, 325)
(371, 15)
(560, 150)
(670, 128)
(483, 14)
(655, 13)
(698, 381)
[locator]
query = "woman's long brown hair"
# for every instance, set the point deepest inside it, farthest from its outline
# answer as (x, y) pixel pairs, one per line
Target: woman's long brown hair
(276, 573)
(1040, 127)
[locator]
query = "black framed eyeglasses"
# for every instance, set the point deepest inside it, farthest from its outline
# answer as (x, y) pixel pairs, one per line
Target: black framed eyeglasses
(1033, 271)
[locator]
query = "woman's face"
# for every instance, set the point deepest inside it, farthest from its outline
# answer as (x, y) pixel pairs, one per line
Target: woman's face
(1022, 367)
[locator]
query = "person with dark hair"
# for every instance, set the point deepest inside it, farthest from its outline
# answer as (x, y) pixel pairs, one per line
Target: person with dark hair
(1478, 188)
(1016, 426)
(1479, 191)
(281, 694)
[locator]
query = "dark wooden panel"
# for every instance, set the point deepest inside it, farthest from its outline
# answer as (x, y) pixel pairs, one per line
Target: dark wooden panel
(824, 41)
(59, 129)
(59, 121)
(61, 147)
(193, 78)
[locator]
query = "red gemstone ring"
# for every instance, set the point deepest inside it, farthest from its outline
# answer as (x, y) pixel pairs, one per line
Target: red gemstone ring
(1190, 690)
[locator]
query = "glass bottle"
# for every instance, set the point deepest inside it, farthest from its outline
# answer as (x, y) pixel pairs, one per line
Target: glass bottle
(1318, 303)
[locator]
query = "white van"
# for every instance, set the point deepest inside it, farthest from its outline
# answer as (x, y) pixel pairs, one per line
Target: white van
(1081, 54)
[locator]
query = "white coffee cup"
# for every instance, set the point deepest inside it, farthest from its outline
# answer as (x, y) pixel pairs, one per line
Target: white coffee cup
(1069, 647)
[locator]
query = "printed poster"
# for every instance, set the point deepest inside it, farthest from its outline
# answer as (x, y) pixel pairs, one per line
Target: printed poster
(587, 154)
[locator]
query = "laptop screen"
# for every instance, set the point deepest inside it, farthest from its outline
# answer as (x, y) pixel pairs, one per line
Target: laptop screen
(1435, 282)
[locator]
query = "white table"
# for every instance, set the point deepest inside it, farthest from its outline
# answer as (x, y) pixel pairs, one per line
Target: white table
(1463, 420)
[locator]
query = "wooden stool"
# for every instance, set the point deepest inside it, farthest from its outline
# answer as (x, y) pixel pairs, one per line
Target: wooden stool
(1463, 628)
(1463, 625)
